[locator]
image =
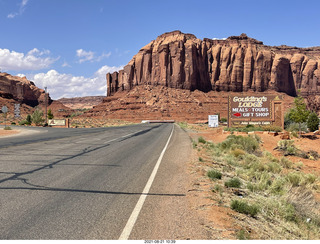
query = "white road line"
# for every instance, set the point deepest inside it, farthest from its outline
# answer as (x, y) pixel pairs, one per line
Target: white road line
(135, 213)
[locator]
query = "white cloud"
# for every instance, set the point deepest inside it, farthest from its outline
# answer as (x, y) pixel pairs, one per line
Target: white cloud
(89, 56)
(65, 64)
(33, 60)
(67, 85)
(84, 55)
(22, 7)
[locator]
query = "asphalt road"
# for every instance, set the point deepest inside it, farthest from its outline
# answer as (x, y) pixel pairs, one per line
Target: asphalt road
(85, 183)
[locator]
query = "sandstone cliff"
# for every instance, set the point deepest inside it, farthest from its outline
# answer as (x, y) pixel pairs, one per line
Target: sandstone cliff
(237, 64)
(21, 90)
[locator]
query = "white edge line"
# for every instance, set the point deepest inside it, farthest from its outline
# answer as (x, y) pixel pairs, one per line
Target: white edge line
(135, 213)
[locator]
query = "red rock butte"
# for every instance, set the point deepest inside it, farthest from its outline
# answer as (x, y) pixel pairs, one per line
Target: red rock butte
(238, 64)
(178, 76)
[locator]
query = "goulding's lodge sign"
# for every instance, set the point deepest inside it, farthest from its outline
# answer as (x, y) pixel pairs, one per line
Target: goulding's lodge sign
(255, 110)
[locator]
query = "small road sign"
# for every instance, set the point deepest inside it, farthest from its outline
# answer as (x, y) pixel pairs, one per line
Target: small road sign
(4, 109)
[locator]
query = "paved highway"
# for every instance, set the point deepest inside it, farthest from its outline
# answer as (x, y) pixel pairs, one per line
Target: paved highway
(85, 183)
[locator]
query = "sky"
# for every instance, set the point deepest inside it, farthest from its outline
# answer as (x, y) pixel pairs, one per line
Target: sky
(68, 46)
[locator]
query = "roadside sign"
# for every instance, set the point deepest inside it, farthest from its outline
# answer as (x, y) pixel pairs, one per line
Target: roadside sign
(213, 121)
(4, 109)
(17, 110)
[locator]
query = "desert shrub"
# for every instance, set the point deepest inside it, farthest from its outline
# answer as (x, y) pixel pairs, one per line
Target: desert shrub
(248, 143)
(278, 207)
(213, 174)
(294, 127)
(273, 167)
(313, 122)
(286, 163)
(238, 152)
(244, 207)
(234, 182)
(272, 128)
(309, 179)
(223, 120)
(202, 140)
(294, 178)
(277, 186)
(287, 147)
(7, 128)
(260, 181)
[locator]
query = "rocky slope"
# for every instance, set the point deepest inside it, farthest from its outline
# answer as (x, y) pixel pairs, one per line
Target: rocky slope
(81, 102)
(148, 102)
(237, 64)
(21, 90)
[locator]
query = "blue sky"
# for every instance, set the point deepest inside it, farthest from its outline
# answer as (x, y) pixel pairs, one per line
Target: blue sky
(69, 45)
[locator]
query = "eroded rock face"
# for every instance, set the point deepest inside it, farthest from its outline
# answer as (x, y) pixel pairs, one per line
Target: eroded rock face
(237, 64)
(21, 90)
(81, 102)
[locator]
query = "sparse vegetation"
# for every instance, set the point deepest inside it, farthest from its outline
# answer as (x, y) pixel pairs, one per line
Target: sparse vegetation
(244, 207)
(267, 184)
(201, 140)
(7, 128)
(234, 182)
(213, 174)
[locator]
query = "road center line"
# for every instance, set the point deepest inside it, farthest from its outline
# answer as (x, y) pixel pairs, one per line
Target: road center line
(136, 211)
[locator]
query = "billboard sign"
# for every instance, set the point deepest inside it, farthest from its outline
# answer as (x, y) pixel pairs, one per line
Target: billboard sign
(252, 109)
(57, 122)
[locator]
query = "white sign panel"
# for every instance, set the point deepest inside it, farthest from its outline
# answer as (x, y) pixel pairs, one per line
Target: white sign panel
(17, 110)
(57, 122)
(213, 121)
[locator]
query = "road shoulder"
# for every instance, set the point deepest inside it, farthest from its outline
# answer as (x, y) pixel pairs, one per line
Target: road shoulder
(168, 213)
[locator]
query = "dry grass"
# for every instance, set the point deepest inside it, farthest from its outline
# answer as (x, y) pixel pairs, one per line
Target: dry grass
(276, 187)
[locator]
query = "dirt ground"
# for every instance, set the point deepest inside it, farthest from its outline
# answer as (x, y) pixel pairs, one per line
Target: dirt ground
(222, 222)
(4, 133)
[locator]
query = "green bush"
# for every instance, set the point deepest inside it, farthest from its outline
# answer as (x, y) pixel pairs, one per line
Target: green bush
(234, 182)
(7, 128)
(213, 174)
(201, 140)
(29, 119)
(37, 117)
(313, 122)
(223, 120)
(244, 207)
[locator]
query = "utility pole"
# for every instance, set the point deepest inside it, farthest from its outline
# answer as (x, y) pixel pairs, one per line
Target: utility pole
(46, 104)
